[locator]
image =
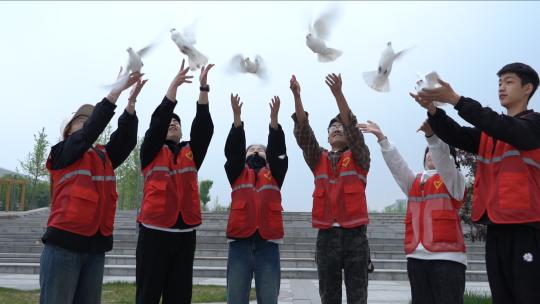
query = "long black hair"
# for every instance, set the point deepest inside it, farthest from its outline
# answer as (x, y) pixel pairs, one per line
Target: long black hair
(453, 153)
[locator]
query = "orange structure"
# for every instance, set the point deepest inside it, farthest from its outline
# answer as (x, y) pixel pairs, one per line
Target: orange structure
(10, 184)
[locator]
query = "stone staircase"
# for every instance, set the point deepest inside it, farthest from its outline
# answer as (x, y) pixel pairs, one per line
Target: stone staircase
(20, 246)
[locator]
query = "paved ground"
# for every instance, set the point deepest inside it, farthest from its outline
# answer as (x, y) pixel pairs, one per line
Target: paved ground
(292, 291)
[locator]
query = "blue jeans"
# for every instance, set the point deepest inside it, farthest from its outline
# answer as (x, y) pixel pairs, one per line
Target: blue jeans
(67, 277)
(249, 257)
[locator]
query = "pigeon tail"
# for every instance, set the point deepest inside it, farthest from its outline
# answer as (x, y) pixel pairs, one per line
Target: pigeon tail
(197, 60)
(329, 55)
(120, 82)
(376, 82)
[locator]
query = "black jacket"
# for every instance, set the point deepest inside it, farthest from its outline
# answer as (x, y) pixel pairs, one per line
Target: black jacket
(202, 129)
(68, 151)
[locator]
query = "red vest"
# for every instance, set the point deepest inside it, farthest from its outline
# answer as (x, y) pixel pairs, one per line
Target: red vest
(507, 183)
(433, 218)
(170, 187)
(84, 195)
(339, 196)
(256, 204)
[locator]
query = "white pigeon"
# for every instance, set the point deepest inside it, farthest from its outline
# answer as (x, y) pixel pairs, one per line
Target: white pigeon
(429, 81)
(319, 32)
(133, 65)
(241, 64)
(186, 43)
(378, 80)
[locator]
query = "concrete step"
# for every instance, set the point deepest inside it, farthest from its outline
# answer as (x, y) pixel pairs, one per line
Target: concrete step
(220, 272)
(221, 261)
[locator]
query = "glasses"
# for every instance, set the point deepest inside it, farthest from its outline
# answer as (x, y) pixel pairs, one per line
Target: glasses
(334, 128)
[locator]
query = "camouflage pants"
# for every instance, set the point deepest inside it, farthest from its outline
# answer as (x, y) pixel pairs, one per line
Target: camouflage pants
(342, 250)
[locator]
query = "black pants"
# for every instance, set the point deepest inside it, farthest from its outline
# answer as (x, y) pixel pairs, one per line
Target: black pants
(513, 264)
(341, 249)
(436, 281)
(164, 266)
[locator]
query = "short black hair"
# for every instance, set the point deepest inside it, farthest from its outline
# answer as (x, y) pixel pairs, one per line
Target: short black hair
(525, 73)
(175, 116)
(331, 122)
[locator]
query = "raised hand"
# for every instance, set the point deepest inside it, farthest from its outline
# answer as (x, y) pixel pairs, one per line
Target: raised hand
(426, 104)
(123, 85)
(295, 86)
(426, 128)
(182, 76)
(274, 110)
(179, 79)
(236, 106)
(203, 77)
(444, 93)
(373, 128)
(334, 83)
(135, 90)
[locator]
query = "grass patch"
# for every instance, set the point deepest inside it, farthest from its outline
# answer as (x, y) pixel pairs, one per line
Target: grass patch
(474, 298)
(120, 293)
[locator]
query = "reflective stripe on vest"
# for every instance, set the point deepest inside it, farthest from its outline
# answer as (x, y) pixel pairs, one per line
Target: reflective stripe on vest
(87, 173)
(251, 186)
(429, 197)
(344, 173)
(171, 172)
(498, 158)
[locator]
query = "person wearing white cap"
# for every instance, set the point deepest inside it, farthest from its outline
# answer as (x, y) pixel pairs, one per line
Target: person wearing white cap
(83, 202)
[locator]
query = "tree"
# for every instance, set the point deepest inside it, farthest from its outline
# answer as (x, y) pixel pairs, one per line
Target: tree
(204, 192)
(105, 135)
(129, 180)
(476, 231)
(35, 171)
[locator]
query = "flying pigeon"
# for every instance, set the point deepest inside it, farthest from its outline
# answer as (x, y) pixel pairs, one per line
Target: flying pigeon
(241, 64)
(378, 80)
(133, 65)
(186, 43)
(319, 32)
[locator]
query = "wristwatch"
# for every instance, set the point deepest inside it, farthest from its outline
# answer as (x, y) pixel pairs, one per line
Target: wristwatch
(205, 88)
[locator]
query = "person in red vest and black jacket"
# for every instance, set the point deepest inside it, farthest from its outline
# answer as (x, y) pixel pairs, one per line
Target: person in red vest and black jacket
(339, 200)
(83, 205)
(434, 243)
(255, 226)
(506, 193)
(171, 210)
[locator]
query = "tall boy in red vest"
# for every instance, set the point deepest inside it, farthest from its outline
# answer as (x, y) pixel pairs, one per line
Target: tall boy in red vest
(170, 210)
(339, 200)
(507, 182)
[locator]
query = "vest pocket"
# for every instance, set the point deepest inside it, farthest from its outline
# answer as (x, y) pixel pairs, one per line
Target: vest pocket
(238, 216)
(275, 220)
(353, 199)
(318, 203)
(409, 231)
(155, 197)
(110, 211)
(514, 191)
(444, 226)
(82, 206)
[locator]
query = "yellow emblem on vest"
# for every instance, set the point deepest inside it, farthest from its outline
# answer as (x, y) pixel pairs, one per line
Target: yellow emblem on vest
(438, 183)
(189, 155)
(268, 175)
(346, 162)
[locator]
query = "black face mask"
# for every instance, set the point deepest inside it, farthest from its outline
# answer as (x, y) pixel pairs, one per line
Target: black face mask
(254, 161)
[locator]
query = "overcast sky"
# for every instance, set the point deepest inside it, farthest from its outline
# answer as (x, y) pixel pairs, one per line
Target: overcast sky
(56, 56)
